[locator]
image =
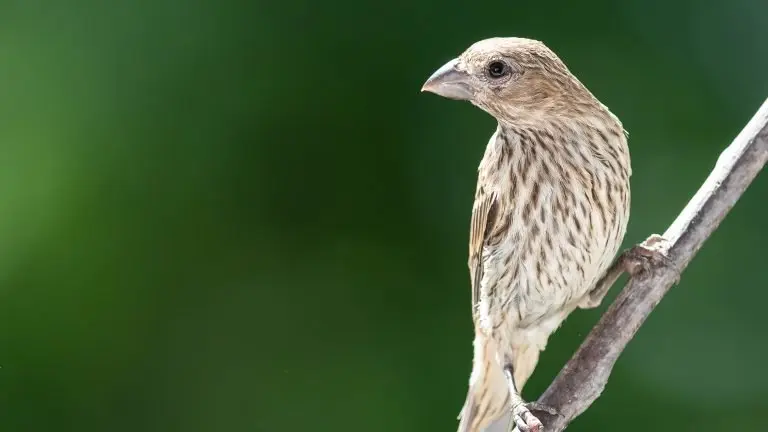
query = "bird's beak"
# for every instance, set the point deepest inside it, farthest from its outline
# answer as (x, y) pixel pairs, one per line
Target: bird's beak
(451, 82)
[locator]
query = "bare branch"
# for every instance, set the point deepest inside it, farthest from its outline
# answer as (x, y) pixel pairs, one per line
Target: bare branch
(584, 377)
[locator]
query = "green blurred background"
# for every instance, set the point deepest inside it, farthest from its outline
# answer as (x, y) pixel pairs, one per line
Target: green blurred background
(243, 216)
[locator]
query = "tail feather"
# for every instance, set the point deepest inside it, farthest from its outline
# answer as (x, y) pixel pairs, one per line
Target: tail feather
(488, 398)
(485, 403)
(488, 395)
(467, 414)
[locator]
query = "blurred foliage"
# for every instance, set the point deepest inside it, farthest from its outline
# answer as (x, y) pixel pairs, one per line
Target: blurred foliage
(243, 216)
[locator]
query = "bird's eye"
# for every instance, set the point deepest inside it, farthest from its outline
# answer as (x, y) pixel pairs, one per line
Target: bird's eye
(497, 69)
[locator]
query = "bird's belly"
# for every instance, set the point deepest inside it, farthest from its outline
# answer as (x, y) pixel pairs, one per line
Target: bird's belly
(529, 289)
(537, 275)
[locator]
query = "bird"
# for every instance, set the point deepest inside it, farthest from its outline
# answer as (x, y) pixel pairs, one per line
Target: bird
(551, 208)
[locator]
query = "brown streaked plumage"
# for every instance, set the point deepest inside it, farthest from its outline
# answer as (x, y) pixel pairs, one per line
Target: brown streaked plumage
(551, 210)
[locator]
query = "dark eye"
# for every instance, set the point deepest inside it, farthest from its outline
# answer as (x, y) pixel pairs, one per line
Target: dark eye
(497, 69)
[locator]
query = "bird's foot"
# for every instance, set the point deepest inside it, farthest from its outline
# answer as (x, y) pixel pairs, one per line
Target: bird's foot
(525, 420)
(644, 257)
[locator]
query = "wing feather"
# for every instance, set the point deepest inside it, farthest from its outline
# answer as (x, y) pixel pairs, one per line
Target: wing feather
(483, 220)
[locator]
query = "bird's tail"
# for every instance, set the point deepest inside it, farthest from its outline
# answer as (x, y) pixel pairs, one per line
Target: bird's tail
(488, 395)
(488, 398)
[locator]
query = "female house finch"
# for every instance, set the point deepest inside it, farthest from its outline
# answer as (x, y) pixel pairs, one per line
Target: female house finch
(550, 212)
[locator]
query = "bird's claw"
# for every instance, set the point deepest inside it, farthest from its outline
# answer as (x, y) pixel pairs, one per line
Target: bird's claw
(643, 257)
(525, 420)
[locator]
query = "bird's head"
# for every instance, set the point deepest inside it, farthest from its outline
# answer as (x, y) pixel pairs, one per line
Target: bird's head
(513, 79)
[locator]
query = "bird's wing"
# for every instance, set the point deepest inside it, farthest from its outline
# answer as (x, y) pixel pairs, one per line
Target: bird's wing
(483, 220)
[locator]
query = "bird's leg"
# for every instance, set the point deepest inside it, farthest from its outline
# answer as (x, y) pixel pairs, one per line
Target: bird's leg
(521, 410)
(596, 295)
(635, 260)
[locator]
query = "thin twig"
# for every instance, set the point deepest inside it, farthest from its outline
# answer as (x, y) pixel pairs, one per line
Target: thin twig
(584, 377)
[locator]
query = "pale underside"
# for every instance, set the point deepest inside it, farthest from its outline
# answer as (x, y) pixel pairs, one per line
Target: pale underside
(546, 224)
